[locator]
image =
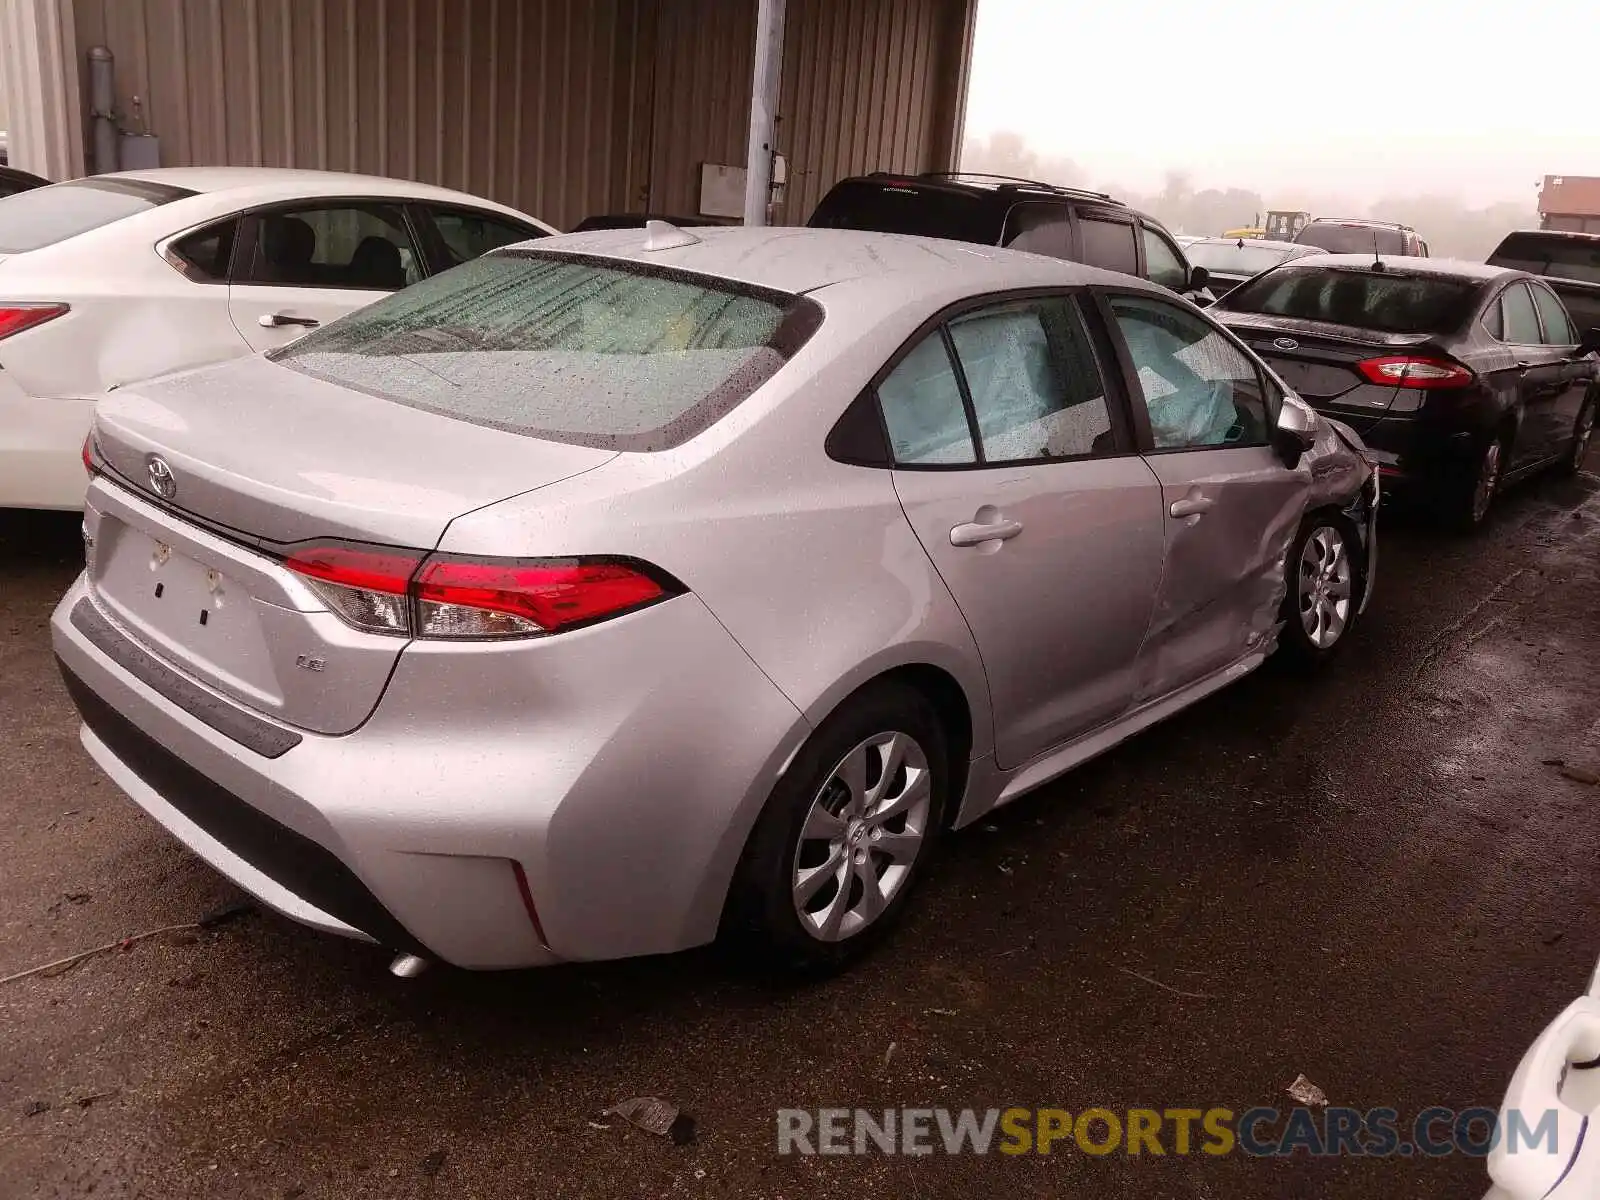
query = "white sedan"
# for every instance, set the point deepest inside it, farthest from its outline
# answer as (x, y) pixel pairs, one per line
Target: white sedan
(1544, 1148)
(116, 278)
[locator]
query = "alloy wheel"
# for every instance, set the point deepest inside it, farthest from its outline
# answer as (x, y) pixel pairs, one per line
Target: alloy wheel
(1488, 481)
(862, 836)
(1581, 435)
(1325, 586)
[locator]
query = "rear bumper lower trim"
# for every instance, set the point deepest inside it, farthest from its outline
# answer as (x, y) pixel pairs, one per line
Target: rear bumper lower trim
(291, 860)
(266, 739)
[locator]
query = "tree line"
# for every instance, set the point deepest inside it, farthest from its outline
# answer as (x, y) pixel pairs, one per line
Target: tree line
(1451, 229)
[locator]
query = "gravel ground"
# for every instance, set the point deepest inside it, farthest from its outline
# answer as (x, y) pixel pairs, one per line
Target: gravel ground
(1373, 878)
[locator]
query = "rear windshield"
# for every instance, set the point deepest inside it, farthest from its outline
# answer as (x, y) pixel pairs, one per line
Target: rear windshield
(44, 216)
(1362, 299)
(1564, 258)
(586, 351)
(1352, 239)
(1230, 258)
(909, 208)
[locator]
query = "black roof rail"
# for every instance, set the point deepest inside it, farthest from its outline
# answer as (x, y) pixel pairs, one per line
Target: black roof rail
(1018, 183)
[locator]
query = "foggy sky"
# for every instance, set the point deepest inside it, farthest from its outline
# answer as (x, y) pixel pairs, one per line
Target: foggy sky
(1363, 98)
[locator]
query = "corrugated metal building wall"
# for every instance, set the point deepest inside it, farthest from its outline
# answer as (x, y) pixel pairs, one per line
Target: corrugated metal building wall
(559, 107)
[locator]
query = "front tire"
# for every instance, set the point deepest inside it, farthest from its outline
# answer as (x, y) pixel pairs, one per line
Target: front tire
(846, 835)
(1323, 589)
(1582, 432)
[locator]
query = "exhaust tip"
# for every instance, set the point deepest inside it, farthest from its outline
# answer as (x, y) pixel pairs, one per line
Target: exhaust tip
(408, 966)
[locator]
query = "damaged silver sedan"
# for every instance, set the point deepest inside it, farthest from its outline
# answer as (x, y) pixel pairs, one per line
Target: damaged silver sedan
(624, 589)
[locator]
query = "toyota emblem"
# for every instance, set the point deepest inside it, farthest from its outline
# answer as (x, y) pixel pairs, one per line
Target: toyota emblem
(161, 481)
(1285, 344)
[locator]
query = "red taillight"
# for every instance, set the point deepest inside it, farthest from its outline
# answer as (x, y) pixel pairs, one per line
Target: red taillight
(1412, 371)
(407, 593)
(88, 454)
(530, 596)
(14, 318)
(374, 569)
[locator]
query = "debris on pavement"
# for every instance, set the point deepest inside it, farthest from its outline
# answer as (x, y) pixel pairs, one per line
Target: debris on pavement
(1167, 987)
(35, 1107)
(1577, 774)
(433, 1163)
(1303, 1090)
(92, 1097)
(62, 965)
(655, 1115)
(888, 1056)
(941, 1012)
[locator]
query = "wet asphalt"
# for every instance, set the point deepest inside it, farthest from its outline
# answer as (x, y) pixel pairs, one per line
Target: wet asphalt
(1373, 878)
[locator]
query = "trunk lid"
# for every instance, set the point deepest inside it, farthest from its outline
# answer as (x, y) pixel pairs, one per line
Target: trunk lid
(1319, 360)
(261, 456)
(276, 455)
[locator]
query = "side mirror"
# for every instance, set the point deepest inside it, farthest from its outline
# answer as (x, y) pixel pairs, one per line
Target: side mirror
(1296, 431)
(1199, 277)
(1589, 343)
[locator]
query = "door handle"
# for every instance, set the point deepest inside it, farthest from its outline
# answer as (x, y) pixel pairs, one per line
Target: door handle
(1523, 367)
(273, 320)
(976, 533)
(1191, 506)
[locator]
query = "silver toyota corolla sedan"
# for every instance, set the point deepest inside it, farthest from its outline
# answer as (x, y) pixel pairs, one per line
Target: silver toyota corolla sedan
(624, 588)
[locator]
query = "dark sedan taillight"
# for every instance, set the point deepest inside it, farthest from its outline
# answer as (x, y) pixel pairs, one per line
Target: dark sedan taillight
(1413, 371)
(410, 593)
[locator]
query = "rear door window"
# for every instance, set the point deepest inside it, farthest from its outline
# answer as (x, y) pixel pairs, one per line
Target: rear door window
(1030, 403)
(1520, 320)
(586, 351)
(1108, 244)
(923, 410)
(1553, 316)
(44, 216)
(366, 247)
(204, 256)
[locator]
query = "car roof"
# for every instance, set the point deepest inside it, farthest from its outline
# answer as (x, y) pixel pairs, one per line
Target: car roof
(275, 183)
(1233, 241)
(1399, 264)
(798, 259)
(980, 184)
(1565, 235)
(1363, 222)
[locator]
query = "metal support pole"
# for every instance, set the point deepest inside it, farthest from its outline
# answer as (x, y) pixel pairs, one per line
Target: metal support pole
(763, 110)
(102, 100)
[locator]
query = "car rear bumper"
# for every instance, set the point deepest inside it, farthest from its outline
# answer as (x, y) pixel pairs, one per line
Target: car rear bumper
(1415, 456)
(484, 841)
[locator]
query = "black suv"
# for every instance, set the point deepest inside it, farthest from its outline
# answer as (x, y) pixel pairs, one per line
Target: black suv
(996, 210)
(1569, 262)
(1357, 235)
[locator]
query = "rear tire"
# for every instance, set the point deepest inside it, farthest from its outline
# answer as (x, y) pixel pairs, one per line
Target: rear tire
(1468, 503)
(1323, 597)
(842, 843)
(1582, 432)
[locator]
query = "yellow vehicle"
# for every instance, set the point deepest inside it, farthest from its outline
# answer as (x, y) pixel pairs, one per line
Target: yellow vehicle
(1250, 232)
(1284, 225)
